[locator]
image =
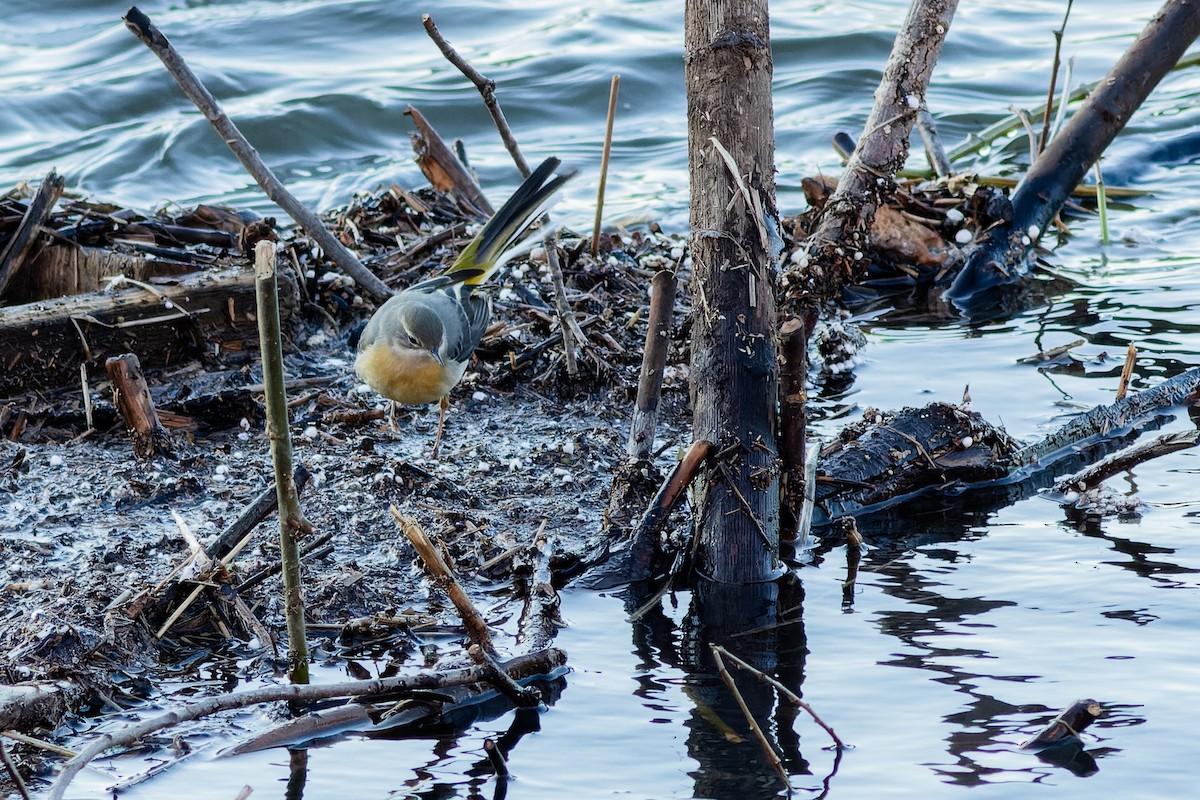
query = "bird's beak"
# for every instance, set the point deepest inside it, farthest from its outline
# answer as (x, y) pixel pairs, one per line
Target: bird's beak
(437, 356)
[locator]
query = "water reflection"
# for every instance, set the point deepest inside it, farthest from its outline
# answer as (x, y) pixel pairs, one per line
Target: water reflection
(761, 624)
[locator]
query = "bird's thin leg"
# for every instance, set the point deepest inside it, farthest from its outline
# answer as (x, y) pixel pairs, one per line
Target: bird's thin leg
(391, 417)
(442, 406)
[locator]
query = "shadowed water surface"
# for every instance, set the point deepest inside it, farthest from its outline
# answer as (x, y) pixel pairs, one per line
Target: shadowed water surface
(970, 625)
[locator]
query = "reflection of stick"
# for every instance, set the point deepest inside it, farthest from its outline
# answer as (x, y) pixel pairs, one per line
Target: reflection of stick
(854, 546)
(152, 37)
(767, 747)
(783, 690)
(608, 130)
(486, 87)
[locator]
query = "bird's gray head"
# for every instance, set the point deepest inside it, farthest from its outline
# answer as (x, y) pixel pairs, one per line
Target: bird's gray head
(421, 329)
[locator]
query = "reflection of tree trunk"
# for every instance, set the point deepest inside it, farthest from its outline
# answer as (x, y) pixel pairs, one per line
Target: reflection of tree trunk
(724, 614)
(727, 69)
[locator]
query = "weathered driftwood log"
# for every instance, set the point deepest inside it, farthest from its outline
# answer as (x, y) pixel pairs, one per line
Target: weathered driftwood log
(65, 270)
(1131, 456)
(43, 703)
(23, 240)
(42, 344)
(132, 398)
(1000, 257)
(891, 457)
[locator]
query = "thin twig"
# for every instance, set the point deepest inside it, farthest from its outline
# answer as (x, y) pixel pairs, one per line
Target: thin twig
(565, 314)
(1058, 37)
(152, 37)
(767, 747)
(785, 691)
(486, 87)
(935, 152)
(608, 132)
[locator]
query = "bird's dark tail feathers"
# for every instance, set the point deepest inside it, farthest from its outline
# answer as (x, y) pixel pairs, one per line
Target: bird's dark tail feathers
(507, 225)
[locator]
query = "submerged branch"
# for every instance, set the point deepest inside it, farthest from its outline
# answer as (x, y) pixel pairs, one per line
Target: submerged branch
(532, 663)
(999, 258)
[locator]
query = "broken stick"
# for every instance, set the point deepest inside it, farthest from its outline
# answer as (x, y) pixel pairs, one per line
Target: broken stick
(141, 26)
(132, 398)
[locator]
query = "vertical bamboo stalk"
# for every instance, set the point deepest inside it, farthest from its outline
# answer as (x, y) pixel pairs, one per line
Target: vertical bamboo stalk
(292, 523)
(608, 131)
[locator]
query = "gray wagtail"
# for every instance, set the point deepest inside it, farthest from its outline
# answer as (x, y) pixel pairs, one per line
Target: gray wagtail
(416, 347)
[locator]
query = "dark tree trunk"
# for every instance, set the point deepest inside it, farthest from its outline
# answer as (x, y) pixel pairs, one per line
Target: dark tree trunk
(999, 259)
(727, 69)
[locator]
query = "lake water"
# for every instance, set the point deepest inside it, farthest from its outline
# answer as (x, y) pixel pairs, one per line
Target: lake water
(969, 630)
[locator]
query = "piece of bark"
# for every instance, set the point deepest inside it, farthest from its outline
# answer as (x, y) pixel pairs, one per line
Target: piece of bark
(23, 240)
(132, 398)
(443, 169)
(999, 258)
(43, 343)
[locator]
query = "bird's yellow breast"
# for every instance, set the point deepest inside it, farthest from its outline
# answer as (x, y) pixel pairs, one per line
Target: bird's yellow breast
(412, 377)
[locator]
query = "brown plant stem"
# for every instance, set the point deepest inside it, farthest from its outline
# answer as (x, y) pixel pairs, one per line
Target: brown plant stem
(292, 524)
